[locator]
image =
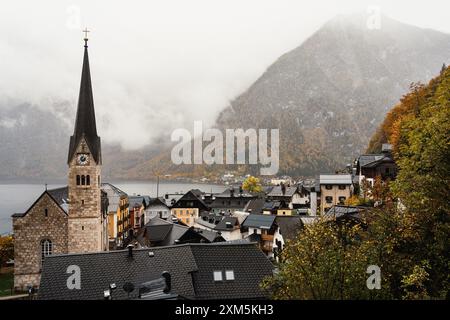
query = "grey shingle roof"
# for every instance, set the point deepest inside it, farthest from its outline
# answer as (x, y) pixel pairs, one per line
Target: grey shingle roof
(277, 191)
(335, 179)
(289, 226)
(58, 195)
(248, 263)
(191, 267)
(99, 270)
(339, 211)
(262, 221)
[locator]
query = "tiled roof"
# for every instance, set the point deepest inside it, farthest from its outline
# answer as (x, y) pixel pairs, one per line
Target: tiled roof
(191, 267)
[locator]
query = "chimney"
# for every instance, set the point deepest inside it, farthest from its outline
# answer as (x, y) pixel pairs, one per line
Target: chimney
(386, 148)
(166, 275)
(130, 250)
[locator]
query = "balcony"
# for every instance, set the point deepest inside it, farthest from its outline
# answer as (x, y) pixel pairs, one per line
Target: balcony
(267, 237)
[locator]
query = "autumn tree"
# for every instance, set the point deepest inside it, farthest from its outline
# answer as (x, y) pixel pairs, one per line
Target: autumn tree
(252, 184)
(6, 249)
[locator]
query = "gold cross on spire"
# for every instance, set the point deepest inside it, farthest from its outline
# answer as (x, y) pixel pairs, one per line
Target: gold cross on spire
(85, 37)
(86, 33)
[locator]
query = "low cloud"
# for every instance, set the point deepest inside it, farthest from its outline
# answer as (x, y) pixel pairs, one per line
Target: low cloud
(158, 65)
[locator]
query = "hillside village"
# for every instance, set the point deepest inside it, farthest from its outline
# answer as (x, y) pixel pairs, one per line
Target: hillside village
(91, 240)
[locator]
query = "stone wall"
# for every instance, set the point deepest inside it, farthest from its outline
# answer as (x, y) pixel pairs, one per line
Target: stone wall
(29, 231)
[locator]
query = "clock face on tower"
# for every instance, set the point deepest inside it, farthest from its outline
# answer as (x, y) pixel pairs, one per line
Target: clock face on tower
(82, 159)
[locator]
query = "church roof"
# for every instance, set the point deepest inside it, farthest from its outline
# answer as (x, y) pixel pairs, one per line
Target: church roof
(85, 119)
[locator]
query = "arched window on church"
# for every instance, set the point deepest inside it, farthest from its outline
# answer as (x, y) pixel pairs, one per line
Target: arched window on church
(83, 180)
(88, 180)
(78, 180)
(46, 248)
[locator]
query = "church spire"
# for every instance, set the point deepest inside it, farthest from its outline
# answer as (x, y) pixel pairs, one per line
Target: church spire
(85, 126)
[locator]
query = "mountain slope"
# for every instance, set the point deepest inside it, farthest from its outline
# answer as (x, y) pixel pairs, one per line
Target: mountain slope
(329, 95)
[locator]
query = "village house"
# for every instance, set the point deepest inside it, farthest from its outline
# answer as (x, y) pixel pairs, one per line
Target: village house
(227, 226)
(334, 189)
(160, 232)
(229, 201)
(188, 207)
(137, 207)
(263, 230)
(119, 224)
(157, 207)
(369, 166)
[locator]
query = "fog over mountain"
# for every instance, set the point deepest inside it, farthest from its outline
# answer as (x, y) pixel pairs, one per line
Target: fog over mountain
(327, 96)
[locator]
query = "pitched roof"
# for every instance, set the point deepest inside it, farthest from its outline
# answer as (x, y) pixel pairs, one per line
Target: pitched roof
(277, 191)
(99, 270)
(222, 225)
(261, 221)
(255, 205)
(114, 194)
(191, 267)
(85, 126)
(157, 202)
(191, 195)
(289, 226)
(335, 179)
(340, 211)
(248, 263)
(57, 195)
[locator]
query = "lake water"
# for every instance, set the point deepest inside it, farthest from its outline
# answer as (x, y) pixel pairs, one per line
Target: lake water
(19, 197)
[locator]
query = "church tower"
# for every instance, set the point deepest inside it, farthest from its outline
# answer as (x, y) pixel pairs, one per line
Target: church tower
(85, 222)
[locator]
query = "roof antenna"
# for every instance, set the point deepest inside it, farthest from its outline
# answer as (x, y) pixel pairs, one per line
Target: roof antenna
(45, 187)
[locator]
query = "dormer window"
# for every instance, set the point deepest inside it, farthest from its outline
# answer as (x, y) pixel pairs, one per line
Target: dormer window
(218, 276)
(229, 275)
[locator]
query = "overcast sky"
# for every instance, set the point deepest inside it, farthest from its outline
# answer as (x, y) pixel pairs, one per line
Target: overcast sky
(159, 65)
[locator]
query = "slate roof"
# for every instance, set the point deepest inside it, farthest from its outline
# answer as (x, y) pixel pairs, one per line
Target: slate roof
(85, 126)
(191, 267)
(99, 270)
(365, 159)
(58, 195)
(335, 179)
(156, 202)
(289, 226)
(136, 201)
(160, 232)
(341, 211)
(277, 192)
(191, 195)
(255, 206)
(114, 194)
(248, 263)
(222, 225)
(261, 221)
